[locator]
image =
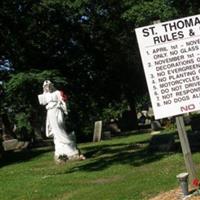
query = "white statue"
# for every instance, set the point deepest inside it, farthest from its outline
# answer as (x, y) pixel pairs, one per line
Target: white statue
(65, 144)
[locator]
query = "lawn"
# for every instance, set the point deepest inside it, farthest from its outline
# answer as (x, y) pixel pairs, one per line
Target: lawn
(119, 169)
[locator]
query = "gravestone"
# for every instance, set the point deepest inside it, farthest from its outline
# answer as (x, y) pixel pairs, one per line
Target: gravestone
(10, 144)
(150, 112)
(106, 135)
(155, 125)
(128, 122)
(162, 142)
(97, 131)
(113, 127)
(14, 144)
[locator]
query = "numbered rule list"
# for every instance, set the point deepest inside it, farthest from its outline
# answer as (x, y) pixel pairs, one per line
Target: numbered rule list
(170, 53)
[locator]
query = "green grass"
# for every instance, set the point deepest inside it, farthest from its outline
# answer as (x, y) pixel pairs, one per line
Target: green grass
(119, 169)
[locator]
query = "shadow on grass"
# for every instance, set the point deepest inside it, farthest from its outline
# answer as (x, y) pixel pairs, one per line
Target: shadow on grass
(104, 156)
(135, 154)
(22, 156)
(100, 156)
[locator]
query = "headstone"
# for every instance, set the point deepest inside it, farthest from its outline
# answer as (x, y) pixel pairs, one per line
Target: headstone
(147, 121)
(139, 115)
(195, 122)
(155, 126)
(106, 135)
(150, 112)
(97, 131)
(187, 119)
(129, 121)
(162, 142)
(142, 119)
(10, 144)
(113, 127)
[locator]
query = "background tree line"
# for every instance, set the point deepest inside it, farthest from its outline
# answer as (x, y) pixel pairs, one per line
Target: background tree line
(87, 48)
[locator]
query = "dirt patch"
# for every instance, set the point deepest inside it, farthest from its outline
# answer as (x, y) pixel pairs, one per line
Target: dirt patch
(175, 194)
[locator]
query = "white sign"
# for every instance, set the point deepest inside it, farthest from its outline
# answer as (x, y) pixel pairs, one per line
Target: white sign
(170, 54)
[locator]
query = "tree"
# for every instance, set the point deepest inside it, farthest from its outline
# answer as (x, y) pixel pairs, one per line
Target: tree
(82, 42)
(21, 98)
(91, 44)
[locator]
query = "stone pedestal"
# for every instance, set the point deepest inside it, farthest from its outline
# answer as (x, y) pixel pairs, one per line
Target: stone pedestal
(14, 144)
(183, 180)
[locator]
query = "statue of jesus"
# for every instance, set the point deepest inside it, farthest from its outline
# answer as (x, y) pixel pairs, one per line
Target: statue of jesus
(55, 103)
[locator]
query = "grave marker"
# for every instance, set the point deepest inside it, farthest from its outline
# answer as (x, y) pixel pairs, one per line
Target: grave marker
(97, 131)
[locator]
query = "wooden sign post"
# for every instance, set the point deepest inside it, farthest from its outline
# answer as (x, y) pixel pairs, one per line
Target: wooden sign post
(185, 148)
(171, 70)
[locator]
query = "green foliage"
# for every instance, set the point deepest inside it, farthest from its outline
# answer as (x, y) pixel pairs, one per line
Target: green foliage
(21, 96)
(114, 111)
(23, 125)
(90, 43)
(22, 89)
(22, 121)
(90, 53)
(145, 12)
(185, 8)
(73, 4)
(195, 115)
(141, 13)
(143, 102)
